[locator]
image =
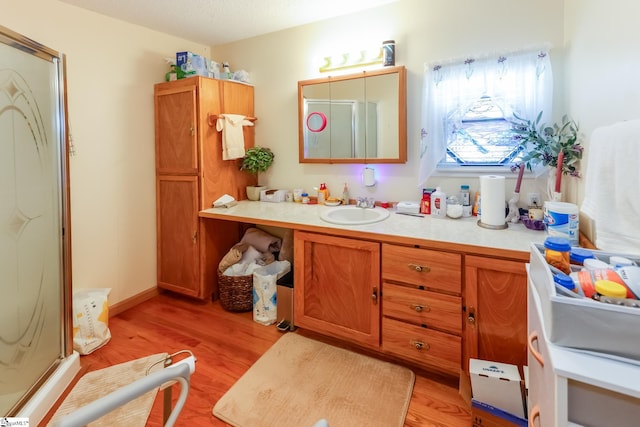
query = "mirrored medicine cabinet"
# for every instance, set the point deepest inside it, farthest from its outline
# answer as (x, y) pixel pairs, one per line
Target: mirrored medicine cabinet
(355, 118)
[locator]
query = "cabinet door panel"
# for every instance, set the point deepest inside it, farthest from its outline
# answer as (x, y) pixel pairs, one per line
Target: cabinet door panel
(496, 297)
(336, 286)
(178, 256)
(176, 136)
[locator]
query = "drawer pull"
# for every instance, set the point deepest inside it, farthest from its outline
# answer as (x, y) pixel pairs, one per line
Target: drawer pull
(419, 345)
(535, 413)
(419, 268)
(420, 308)
(535, 353)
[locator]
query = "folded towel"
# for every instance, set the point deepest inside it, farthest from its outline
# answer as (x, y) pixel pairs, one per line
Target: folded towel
(233, 256)
(261, 240)
(612, 180)
(232, 136)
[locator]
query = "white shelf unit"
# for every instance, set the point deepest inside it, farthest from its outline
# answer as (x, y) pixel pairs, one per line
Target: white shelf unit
(570, 387)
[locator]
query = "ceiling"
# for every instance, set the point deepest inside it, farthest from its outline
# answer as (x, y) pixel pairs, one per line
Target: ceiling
(214, 22)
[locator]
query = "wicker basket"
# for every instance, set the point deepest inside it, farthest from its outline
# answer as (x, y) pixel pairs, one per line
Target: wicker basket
(236, 292)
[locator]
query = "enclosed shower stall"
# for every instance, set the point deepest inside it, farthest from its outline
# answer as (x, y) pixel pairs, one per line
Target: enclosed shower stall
(36, 355)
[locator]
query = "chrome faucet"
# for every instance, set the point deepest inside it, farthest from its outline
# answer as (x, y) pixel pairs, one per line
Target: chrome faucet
(365, 202)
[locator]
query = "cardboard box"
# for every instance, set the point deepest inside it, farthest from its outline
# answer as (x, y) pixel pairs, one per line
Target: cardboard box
(497, 385)
(483, 415)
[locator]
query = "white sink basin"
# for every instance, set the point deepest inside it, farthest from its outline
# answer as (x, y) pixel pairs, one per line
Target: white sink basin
(352, 215)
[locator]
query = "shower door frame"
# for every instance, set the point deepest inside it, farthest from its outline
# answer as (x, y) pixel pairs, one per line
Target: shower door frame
(62, 143)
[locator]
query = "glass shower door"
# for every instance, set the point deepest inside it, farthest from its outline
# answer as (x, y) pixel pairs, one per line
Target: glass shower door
(32, 212)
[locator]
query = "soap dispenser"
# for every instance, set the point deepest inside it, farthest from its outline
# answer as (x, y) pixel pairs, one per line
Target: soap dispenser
(345, 195)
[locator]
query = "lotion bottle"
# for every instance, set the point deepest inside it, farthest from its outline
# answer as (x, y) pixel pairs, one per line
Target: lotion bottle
(438, 204)
(345, 195)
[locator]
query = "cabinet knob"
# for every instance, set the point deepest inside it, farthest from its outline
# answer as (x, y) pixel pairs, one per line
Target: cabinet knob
(419, 345)
(192, 130)
(471, 317)
(374, 296)
(419, 268)
(420, 308)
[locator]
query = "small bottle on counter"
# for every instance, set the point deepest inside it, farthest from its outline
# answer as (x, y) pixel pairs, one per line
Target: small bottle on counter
(476, 205)
(464, 195)
(345, 195)
(305, 198)
(438, 204)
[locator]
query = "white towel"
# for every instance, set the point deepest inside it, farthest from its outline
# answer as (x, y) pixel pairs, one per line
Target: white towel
(612, 187)
(232, 136)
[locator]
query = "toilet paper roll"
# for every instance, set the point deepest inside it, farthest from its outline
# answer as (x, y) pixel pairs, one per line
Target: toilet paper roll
(492, 200)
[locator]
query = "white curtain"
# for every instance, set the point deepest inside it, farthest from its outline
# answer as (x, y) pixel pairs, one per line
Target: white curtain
(520, 83)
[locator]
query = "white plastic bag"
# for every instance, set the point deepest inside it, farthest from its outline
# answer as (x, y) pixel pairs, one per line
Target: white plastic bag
(265, 290)
(90, 319)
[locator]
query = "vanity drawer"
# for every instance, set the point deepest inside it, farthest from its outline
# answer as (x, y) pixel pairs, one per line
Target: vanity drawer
(422, 267)
(421, 345)
(422, 307)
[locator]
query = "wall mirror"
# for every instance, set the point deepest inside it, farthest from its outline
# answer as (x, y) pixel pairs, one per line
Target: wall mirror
(355, 118)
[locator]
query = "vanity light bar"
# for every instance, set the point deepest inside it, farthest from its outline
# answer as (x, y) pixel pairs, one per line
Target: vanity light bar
(352, 60)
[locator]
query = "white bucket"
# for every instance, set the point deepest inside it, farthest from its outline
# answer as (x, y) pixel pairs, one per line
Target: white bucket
(562, 220)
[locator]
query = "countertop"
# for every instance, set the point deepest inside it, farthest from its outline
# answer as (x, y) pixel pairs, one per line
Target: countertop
(450, 234)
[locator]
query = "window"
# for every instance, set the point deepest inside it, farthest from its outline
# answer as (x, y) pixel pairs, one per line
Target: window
(468, 105)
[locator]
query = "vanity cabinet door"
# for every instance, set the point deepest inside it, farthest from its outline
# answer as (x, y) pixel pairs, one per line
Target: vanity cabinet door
(337, 285)
(495, 302)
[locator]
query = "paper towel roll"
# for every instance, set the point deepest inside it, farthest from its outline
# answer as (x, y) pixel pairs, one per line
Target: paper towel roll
(492, 201)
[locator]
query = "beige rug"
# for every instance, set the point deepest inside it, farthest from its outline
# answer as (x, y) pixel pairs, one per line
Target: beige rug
(299, 381)
(96, 384)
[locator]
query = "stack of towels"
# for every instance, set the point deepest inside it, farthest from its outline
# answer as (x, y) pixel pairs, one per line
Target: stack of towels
(612, 187)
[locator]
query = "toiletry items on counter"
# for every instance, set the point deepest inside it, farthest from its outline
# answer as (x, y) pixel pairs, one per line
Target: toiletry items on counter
(345, 195)
(273, 195)
(323, 193)
(438, 204)
(425, 203)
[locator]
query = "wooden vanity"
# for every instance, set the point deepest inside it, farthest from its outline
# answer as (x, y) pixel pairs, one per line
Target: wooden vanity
(431, 292)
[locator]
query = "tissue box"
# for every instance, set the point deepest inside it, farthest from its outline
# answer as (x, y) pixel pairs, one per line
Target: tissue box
(272, 195)
(497, 385)
(408, 207)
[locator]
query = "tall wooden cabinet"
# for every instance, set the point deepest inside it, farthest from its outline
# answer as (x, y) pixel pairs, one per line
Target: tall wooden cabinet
(190, 175)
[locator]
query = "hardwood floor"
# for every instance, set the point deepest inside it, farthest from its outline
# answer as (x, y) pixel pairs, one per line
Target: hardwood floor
(226, 345)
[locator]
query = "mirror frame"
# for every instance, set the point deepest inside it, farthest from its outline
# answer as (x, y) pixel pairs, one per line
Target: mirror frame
(402, 116)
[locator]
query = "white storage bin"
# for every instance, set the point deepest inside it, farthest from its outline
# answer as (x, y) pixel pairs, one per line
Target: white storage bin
(583, 323)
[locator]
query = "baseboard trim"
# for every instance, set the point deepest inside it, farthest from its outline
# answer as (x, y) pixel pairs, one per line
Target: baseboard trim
(131, 302)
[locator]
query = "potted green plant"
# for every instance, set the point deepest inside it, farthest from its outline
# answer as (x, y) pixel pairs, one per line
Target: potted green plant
(256, 160)
(543, 144)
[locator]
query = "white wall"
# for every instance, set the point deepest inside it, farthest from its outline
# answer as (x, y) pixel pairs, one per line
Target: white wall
(424, 31)
(111, 69)
(602, 39)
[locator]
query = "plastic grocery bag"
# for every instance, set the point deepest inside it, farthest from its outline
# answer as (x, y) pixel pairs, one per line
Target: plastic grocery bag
(90, 319)
(265, 290)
